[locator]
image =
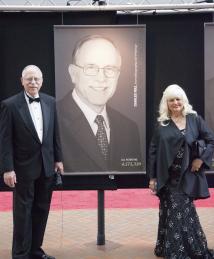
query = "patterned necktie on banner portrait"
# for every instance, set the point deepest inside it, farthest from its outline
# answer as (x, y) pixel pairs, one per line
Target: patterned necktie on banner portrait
(101, 137)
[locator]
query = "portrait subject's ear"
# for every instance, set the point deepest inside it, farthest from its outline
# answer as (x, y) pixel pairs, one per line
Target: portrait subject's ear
(73, 72)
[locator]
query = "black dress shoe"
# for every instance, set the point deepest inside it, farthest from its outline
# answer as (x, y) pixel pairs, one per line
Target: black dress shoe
(45, 256)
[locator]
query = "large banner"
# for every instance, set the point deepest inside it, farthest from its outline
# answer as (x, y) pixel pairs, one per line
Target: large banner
(100, 93)
(209, 75)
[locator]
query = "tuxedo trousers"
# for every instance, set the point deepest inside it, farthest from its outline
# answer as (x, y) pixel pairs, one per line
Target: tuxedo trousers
(31, 204)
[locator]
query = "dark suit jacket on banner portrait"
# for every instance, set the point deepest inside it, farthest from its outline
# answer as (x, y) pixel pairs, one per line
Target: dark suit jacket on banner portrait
(80, 150)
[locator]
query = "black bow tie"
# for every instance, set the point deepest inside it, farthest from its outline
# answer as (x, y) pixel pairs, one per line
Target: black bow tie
(33, 99)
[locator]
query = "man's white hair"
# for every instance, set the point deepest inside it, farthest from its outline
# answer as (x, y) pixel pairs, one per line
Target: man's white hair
(30, 67)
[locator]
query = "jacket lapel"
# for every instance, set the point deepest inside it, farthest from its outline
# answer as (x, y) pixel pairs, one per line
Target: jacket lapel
(114, 137)
(83, 134)
(191, 130)
(46, 116)
(25, 114)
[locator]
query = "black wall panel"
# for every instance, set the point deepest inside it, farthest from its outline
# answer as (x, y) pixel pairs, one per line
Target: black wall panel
(175, 54)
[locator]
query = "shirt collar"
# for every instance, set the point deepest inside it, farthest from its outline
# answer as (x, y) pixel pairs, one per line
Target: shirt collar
(88, 112)
(27, 94)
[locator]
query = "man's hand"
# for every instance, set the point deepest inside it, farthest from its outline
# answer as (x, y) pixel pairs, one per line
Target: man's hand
(10, 179)
(59, 167)
(153, 185)
(196, 165)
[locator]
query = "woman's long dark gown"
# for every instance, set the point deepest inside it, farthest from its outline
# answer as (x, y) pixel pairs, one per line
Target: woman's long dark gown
(180, 235)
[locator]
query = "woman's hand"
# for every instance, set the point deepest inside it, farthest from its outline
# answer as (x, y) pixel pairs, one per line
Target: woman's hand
(196, 165)
(153, 185)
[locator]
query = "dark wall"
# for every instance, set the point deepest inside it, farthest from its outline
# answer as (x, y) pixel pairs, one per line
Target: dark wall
(174, 49)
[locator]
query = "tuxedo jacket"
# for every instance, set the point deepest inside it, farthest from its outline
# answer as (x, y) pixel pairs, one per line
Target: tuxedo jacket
(20, 148)
(79, 147)
(164, 146)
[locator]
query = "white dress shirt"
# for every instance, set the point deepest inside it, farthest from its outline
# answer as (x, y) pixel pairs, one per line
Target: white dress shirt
(91, 115)
(36, 115)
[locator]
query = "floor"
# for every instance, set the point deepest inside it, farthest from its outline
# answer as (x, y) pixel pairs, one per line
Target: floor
(72, 234)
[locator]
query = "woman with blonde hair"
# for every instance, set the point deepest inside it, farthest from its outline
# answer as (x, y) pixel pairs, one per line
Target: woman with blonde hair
(177, 177)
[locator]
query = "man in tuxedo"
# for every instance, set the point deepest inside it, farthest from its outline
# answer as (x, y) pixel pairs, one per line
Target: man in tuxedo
(30, 156)
(96, 137)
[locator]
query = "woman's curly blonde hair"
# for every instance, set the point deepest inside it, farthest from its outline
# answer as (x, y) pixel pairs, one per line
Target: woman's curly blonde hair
(173, 91)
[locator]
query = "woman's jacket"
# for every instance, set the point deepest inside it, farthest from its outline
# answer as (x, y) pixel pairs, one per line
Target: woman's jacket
(164, 146)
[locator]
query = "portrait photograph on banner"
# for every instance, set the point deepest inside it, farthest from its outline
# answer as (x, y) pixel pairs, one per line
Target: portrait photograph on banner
(209, 75)
(101, 98)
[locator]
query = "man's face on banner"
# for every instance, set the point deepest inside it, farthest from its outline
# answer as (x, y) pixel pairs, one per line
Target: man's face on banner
(96, 72)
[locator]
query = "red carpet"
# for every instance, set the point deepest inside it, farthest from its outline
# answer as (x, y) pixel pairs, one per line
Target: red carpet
(132, 198)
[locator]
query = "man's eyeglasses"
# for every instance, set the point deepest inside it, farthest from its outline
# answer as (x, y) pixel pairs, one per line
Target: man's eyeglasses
(36, 79)
(93, 70)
